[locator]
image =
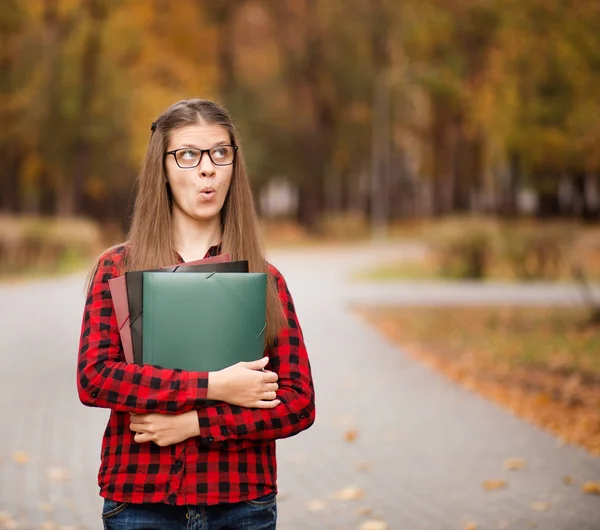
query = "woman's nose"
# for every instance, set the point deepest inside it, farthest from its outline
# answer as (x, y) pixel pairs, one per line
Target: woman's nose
(206, 168)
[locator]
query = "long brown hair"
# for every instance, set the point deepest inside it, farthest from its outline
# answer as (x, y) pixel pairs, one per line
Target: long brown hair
(150, 239)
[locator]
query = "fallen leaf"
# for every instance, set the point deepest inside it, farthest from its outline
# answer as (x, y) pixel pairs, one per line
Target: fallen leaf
(593, 488)
(493, 485)
(350, 493)
(363, 466)
(316, 506)
(46, 507)
(540, 506)
(374, 524)
(57, 474)
(470, 526)
(514, 464)
(364, 510)
(21, 457)
(351, 435)
(11, 524)
(48, 525)
(568, 480)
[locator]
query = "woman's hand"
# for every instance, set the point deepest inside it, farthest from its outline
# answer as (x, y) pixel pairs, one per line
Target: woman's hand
(164, 429)
(245, 384)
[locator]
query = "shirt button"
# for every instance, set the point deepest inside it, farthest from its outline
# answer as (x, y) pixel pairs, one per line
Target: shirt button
(178, 463)
(210, 439)
(302, 415)
(94, 393)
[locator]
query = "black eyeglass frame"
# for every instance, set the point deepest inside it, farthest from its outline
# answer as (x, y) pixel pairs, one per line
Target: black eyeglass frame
(202, 151)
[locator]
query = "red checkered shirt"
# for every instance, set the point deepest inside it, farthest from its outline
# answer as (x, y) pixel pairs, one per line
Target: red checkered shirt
(233, 459)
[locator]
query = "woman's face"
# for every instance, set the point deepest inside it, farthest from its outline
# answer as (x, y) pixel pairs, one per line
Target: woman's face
(199, 192)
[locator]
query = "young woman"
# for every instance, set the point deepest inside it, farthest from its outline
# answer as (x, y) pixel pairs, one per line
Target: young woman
(171, 459)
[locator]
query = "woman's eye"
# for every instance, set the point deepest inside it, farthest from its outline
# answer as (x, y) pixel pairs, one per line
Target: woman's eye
(189, 154)
(220, 152)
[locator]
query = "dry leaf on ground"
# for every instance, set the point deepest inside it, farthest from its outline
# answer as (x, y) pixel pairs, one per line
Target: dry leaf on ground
(593, 488)
(48, 525)
(493, 485)
(470, 526)
(351, 435)
(568, 480)
(316, 506)
(540, 506)
(46, 507)
(514, 464)
(350, 493)
(11, 524)
(363, 465)
(374, 524)
(21, 457)
(364, 510)
(57, 474)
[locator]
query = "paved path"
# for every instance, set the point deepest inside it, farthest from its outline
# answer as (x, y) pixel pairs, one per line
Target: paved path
(428, 444)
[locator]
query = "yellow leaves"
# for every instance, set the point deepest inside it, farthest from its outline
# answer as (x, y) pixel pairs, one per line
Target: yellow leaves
(316, 506)
(591, 487)
(514, 464)
(351, 435)
(567, 480)
(46, 507)
(493, 485)
(21, 457)
(57, 474)
(470, 526)
(364, 511)
(350, 493)
(540, 506)
(363, 465)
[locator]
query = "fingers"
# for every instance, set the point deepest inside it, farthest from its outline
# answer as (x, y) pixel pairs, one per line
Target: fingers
(269, 377)
(267, 404)
(271, 387)
(257, 365)
(142, 437)
(269, 396)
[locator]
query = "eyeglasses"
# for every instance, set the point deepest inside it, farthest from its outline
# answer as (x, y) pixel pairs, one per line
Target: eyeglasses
(190, 157)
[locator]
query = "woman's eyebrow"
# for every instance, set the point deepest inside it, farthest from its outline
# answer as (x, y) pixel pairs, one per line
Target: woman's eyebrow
(222, 142)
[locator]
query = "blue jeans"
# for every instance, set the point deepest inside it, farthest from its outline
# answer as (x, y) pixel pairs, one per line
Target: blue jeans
(258, 514)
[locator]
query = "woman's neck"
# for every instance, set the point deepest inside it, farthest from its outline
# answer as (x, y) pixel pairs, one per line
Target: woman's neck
(193, 238)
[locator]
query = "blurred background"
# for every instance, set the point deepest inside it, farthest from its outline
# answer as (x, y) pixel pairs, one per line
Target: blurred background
(461, 137)
(376, 111)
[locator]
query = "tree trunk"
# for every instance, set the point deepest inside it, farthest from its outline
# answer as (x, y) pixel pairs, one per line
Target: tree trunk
(82, 144)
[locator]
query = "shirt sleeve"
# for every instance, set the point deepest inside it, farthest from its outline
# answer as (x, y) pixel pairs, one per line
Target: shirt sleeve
(105, 380)
(296, 412)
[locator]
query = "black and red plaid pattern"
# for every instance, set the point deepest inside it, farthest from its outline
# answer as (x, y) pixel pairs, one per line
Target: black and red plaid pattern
(234, 457)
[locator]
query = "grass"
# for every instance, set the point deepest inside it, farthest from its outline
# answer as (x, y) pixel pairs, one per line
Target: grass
(427, 269)
(541, 363)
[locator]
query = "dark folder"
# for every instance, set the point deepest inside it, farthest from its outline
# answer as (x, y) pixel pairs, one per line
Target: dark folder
(203, 321)
(135, 295)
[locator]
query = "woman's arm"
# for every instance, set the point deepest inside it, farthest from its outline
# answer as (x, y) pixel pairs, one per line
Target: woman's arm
(295, 413)
(105, 380)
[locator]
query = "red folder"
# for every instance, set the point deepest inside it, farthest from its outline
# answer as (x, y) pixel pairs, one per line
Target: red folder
(118, 291)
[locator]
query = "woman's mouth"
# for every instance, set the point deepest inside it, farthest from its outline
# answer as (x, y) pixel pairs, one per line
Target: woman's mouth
(207, 193)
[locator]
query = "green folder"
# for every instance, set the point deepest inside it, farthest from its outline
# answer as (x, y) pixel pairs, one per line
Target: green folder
(203, 321)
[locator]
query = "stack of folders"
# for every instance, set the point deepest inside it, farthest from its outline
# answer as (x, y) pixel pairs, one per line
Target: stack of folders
(199, 316)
